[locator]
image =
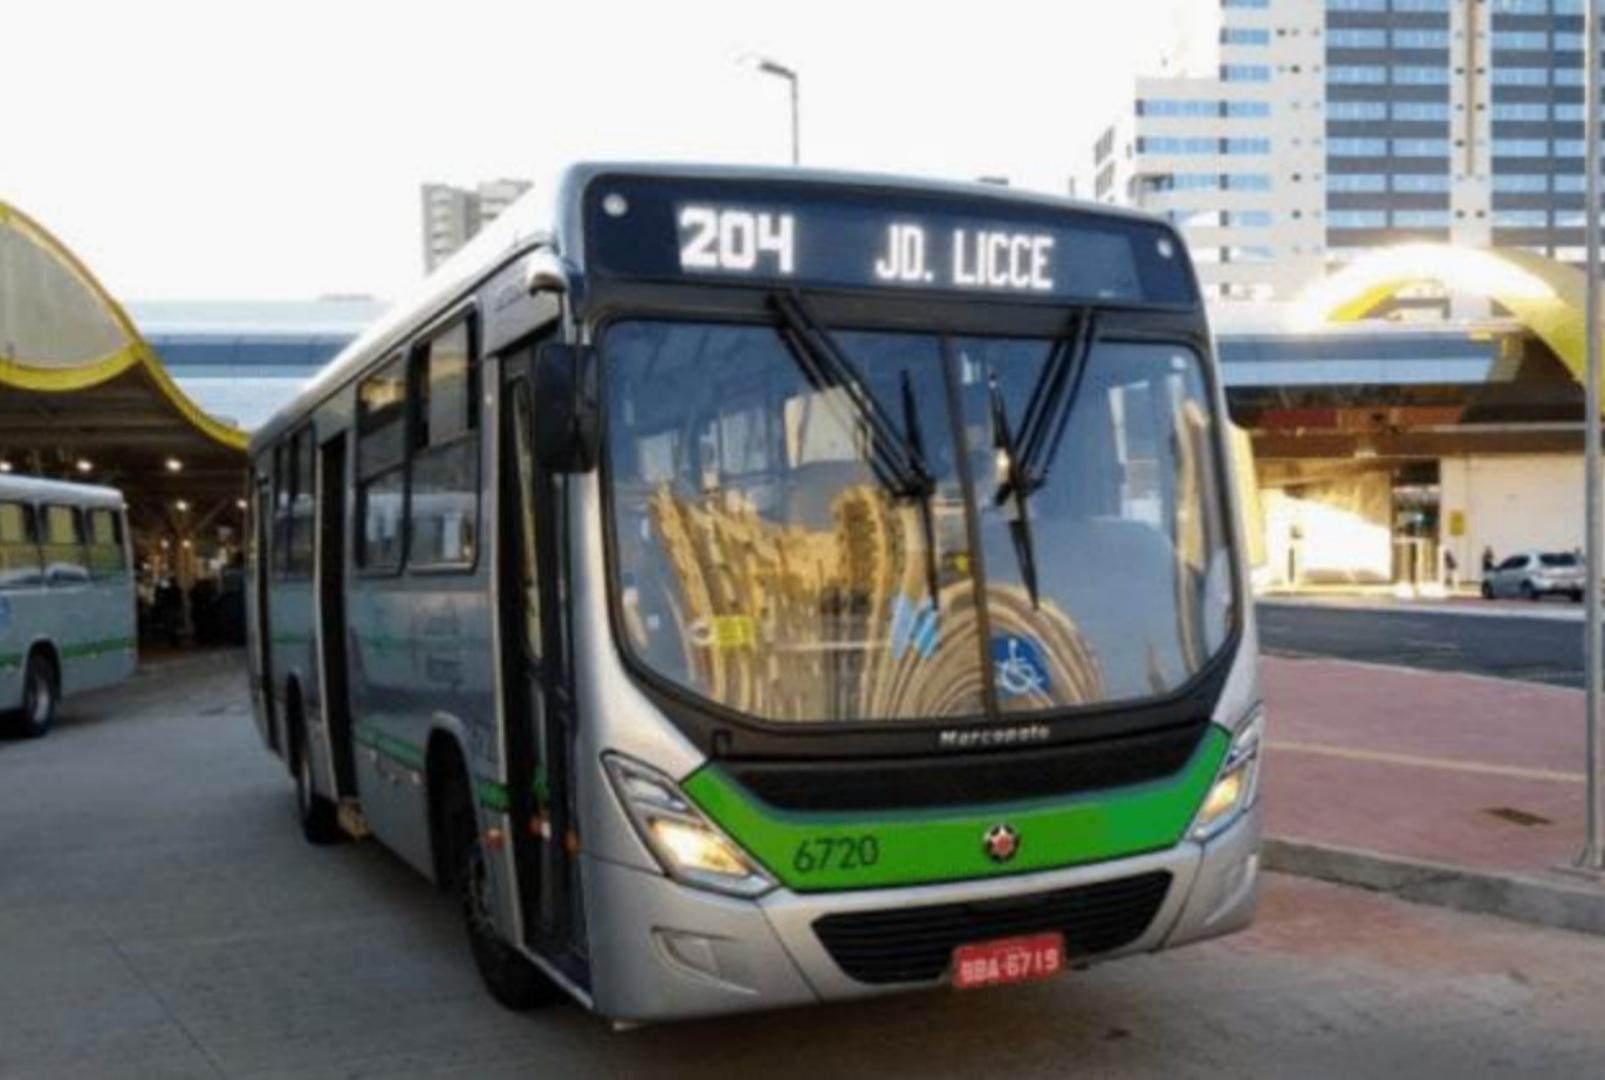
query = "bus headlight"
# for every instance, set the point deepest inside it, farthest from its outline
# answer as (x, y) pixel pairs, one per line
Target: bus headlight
(690, 848)
(1237, 782)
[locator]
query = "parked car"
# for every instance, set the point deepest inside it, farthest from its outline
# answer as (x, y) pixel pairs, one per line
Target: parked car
(1536, 574)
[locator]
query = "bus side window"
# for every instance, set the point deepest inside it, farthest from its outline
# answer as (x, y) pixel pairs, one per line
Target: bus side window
(282, 489)
(302, 499)
(20, 563)
(64, 545)
(106, 557)
(444, 493)
(381, 465)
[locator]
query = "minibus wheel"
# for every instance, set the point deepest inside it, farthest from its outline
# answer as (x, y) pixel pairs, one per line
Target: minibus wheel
(39, 693)
(511, 978)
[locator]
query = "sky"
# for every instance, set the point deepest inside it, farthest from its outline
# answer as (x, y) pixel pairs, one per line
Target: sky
(273, 149)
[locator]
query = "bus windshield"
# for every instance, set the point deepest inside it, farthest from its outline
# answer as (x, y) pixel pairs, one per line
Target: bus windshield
(763, 562)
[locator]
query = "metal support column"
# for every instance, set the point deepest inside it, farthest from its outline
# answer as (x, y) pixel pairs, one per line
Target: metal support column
(1593, 856)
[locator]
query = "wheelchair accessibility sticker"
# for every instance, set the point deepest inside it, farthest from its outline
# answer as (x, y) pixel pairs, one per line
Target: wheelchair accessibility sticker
(1019, 666)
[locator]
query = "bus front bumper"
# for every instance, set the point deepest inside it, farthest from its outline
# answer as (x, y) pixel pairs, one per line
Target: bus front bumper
(662, 951)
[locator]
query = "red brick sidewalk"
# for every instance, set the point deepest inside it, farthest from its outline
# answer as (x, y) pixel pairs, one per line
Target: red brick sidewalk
(1458, 769)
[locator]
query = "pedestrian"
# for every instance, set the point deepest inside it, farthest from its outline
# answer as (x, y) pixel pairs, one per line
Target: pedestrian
(1487, 560)
(1452, 569)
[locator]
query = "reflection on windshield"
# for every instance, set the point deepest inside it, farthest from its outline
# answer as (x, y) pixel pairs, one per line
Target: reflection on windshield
(760, 564)
(1128, 531)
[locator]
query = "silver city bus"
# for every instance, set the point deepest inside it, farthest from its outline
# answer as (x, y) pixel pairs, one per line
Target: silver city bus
(67, 621)
(745, 588)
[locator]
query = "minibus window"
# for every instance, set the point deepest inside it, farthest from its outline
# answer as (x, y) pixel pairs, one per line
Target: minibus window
(106, 558)
(64, 545)
(19, 546)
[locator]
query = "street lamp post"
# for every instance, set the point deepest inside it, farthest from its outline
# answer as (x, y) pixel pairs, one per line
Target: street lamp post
(1594, 849)
(781, 71)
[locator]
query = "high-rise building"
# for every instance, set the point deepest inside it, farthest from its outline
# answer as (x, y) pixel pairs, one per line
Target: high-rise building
(1329, 127)
(453, 215)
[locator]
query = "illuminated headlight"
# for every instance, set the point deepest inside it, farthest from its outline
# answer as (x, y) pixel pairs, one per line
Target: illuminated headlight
(1237, 781)
(690, 848)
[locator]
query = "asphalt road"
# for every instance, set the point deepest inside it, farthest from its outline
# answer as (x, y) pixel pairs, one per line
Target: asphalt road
(160, 916)
(1546, 650)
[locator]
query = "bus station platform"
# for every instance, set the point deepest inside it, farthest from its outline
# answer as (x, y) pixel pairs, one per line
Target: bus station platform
(1403, 779)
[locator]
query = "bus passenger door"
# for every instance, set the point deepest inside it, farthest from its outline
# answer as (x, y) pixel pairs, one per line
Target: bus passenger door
(260, 652)
(536, 686)
(331, 607)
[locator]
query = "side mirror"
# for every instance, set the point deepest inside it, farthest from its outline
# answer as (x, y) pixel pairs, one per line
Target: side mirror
(566, 428)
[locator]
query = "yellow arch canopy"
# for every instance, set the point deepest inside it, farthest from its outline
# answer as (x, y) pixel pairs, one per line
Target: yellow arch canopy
(78, 384)
(1544, 295)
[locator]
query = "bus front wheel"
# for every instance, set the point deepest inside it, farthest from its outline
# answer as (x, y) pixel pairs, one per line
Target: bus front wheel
(512, 980)
(39, 693)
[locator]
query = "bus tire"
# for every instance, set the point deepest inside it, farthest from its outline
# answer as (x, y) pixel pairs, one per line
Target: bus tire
(41, 689)
(511, 978)
(319, 817)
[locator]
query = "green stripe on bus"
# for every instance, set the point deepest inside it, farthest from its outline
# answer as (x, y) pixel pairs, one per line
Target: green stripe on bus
(813, 852)
(400, 750)
(489, 792)
(96, 648)
(85, 650)
(493, 795)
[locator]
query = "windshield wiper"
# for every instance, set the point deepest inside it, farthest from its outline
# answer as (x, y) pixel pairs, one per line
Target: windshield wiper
(1014, 481)
(916, 441)
(1025, 461)
(897, 458)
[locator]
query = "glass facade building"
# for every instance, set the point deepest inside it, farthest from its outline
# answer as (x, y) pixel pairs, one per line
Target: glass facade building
(1366, 123)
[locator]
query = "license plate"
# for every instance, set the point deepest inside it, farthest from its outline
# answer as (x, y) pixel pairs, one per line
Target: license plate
(1008, 960)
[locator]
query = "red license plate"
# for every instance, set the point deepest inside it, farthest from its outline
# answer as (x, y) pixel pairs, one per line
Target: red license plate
(1008, 960)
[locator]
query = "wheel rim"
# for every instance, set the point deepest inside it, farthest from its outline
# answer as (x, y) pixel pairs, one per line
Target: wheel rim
(476, 905)
(303, 784)
(39, 699)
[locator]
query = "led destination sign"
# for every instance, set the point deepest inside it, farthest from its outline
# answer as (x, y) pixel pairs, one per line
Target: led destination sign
(777, 233)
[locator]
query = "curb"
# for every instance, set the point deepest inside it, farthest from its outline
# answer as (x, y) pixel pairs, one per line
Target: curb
(1441, 608)
(1563, 905)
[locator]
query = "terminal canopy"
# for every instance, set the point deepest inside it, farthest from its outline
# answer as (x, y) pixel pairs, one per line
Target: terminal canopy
(1544, 294)
(83, 396)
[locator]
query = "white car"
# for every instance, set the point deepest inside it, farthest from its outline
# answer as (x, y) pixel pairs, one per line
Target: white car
(1533, 575)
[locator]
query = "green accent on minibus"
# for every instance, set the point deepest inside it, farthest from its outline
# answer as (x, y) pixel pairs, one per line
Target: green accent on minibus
(489, 792)
(90, 649)
(817, 852)
(86, 650)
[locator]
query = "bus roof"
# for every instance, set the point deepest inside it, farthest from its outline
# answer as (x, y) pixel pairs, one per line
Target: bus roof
(550, 215)
(34, 488)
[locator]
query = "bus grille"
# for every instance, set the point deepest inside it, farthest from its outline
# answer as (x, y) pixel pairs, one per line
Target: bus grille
(968, 779)
(916, 944)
